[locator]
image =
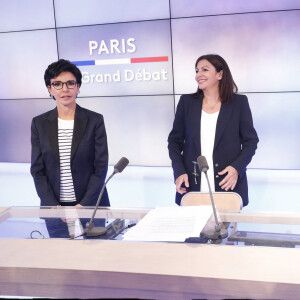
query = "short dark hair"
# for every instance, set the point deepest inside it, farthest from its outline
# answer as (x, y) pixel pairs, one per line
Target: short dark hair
(227, 85)
(60, 66)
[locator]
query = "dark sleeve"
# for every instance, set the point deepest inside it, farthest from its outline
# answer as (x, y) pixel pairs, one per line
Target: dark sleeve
(97, 179)
(38, 170)
(176, 140)
(248, 137)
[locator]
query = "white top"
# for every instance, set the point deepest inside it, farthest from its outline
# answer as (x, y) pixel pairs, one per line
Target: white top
(65, 135)
(207, 140)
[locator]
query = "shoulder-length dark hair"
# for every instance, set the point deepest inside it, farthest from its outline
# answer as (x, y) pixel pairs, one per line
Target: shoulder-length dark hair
(227, 85)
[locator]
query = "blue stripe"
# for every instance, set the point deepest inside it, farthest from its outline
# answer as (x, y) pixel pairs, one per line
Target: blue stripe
(84, 63)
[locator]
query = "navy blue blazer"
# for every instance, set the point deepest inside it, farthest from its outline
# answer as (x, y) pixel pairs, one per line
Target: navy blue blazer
(89, 157)
(235, 141)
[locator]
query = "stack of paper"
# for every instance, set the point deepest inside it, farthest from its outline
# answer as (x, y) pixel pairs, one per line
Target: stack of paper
(173, 224)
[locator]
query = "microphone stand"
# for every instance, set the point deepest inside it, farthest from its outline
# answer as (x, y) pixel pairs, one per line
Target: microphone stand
(218, 232)
(96, 231)
(90, 229)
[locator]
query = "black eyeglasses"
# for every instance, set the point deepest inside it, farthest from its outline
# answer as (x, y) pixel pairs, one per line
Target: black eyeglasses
(59, 85)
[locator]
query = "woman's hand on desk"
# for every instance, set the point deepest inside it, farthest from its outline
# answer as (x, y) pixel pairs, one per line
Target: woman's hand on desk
(230, 180)
(179, 181)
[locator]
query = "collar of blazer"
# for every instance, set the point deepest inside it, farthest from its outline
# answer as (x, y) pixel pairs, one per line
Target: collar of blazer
(224, 117)
(80, 123)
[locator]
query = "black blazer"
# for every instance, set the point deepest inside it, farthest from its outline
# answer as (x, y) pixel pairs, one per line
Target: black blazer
(89, 157)
(235, 141)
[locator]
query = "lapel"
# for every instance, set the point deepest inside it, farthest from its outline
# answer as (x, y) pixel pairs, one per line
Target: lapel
(224, 117)
(196, 115)
(52, 130)
(80, 123)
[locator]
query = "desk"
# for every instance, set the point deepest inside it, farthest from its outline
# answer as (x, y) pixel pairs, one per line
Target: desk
(118, 269)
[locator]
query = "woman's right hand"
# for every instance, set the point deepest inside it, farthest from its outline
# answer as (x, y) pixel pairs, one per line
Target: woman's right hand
(179, 180)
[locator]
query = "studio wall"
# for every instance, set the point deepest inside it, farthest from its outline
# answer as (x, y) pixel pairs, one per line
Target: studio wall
(138, 57)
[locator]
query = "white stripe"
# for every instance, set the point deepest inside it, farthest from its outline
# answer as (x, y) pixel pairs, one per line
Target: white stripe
(116, 61)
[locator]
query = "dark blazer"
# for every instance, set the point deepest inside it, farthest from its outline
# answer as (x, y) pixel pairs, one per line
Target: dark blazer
(89, 157)
(235, 141)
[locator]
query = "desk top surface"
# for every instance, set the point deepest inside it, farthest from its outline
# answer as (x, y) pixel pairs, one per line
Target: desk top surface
(256, 272)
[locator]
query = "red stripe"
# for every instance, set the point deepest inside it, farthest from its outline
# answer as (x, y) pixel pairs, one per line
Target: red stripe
(148, 59)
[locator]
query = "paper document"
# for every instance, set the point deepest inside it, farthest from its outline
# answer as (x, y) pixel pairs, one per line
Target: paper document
(170, 224)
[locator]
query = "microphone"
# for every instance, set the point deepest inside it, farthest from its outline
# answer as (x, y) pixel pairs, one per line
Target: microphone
(218, 232)
(121, 165)
(202, 164)
(90, 230)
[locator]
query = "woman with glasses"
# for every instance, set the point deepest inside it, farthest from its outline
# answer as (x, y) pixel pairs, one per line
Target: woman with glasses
(69, 156)
(214, 122)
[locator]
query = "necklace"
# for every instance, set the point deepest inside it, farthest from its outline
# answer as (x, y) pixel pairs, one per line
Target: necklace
(213, 106)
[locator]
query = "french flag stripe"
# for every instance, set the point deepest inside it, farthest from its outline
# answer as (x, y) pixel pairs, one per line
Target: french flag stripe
(149, 59)
(121, 61)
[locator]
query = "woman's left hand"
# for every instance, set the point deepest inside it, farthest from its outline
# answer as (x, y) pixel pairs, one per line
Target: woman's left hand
(230, 180)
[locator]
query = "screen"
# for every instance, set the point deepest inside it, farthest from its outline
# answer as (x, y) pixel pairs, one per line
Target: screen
(137, 57)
